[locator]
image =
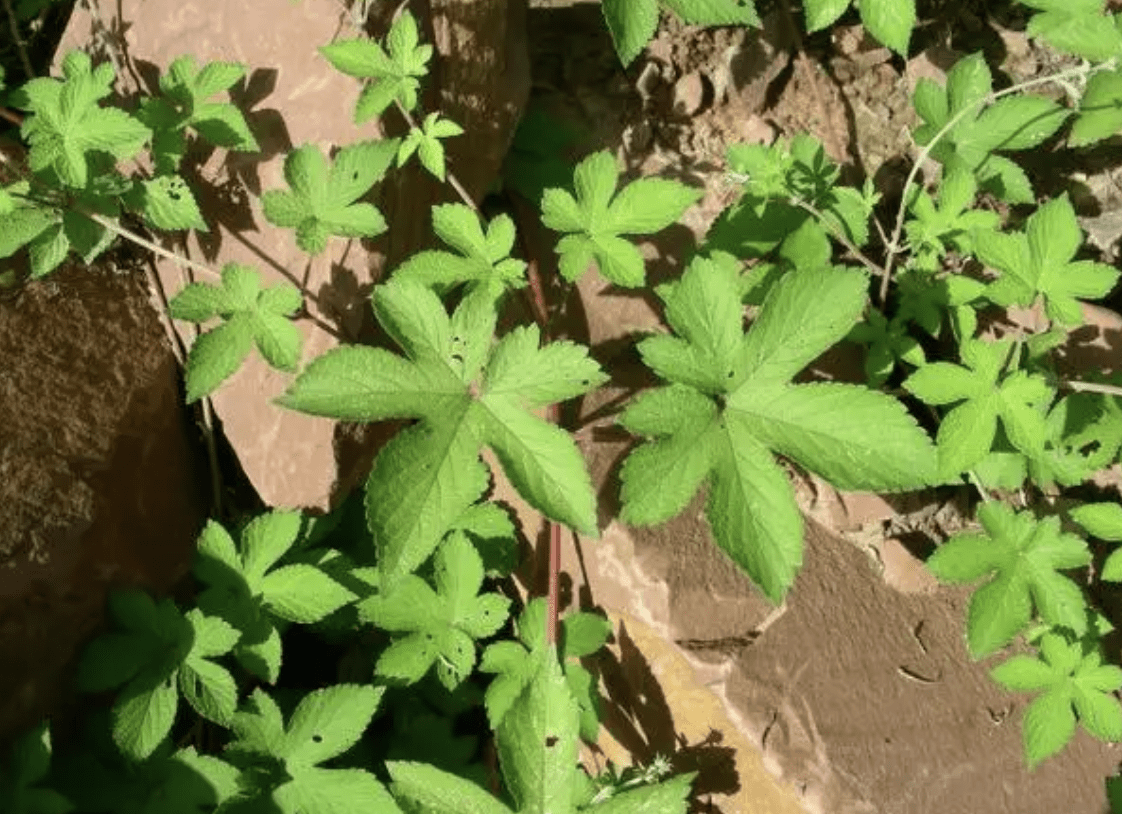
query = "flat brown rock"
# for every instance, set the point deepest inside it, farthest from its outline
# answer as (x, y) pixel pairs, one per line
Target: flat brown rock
(97, 477)
(294, 97)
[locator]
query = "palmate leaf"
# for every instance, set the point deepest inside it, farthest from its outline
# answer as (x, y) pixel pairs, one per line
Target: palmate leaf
(595, 220)
(1021, 556)
(247, 589)
(1038, 263)
(251, 317)
(67, 126)
(1075, 683)
(441, 626)
(538, 750)
(322, 201)
(949, 225)
(730, 403)
(426, 142)
(515, 663)
(483, 255)
(429, 473)
(325, 724)
(159, 654)
(1011, 123)
(396, 70)
(966, 433)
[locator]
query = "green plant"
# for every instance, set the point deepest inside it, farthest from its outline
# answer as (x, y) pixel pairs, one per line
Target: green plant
(405, 590)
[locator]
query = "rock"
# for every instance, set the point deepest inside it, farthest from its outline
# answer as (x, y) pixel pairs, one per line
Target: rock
(689, 94)
(294, 97)
(97, 477)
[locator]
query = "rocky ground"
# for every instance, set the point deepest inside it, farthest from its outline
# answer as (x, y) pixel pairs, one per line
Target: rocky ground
(855, 696)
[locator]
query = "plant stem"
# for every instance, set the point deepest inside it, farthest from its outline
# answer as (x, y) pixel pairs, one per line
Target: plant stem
(1092, 387)
(155, 248)
(453, 181)
(974, 479)
(838, 235)
(925, 153)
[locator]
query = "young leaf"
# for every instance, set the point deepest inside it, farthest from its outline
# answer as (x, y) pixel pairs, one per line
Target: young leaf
(1076, 27)
(1100, 109)
(247, 591)
(396, 71)
(516, 664)
(632, 24)
(890, 22)
(430, 473)
(184, 104)
(425, 141)
(1070, 679)
(67, 124)
(251, 316)
(595, 220)
(322, 202)
(326, 724)
(158, 649)
(1103, 520)
(967, 431)
(441, 625)
(1021, 555)
(21, 789)
(950, 225)
(170, 204)
(730, 401)
(483, 259)
(1039, 262)
(887, 342)
(493, 533)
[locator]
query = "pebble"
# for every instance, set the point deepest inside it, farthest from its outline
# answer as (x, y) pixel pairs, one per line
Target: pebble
(689, 94)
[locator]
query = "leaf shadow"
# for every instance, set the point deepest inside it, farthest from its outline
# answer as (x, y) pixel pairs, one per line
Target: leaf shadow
(638, 717)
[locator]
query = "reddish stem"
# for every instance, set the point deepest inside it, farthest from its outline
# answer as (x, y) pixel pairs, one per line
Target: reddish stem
(536, 297)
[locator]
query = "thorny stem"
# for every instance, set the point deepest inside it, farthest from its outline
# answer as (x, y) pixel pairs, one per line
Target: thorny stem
(925, 153)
